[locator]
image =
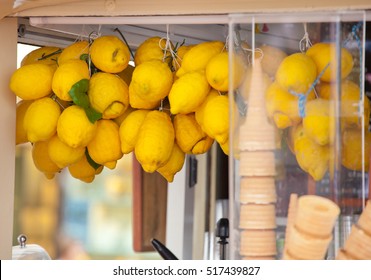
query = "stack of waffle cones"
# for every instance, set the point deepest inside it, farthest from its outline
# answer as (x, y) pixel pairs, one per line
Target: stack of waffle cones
(309, 230)
(257, 171)
(358, 244)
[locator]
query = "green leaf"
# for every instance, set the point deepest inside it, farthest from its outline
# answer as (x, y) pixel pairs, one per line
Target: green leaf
(84, 57)
(92, 115)
(78, 93)
(91, 161)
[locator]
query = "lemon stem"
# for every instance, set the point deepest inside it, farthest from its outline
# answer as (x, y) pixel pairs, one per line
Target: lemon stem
(49, 55)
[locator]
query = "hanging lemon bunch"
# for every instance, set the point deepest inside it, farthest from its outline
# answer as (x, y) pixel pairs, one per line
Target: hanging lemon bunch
(84, 107)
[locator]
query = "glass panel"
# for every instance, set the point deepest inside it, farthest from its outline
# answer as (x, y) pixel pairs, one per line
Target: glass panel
(299, 131)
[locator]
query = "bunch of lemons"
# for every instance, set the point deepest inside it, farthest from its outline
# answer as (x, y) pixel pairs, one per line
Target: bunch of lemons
(83, 107)
(301, 101)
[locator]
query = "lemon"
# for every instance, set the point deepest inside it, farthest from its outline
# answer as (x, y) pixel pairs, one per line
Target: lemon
(225, 147)
(105, 147)
(173, 165)
(42, 160)
(152, 48)
(350, 103)
(110, 54)
(318, 122)
(21, 134)
(83, 171)
(202, 146)
(199, 111)
(74, 51)
(297, 72)
(151, 81)
(108, 94)
(180, 52)
(62, 154)
(44, 55)
(188, 92)
(127, 74)
(283, 107)
(326, 90)
(123, 116)
(188, 134)
(66, 75)
(155, 141)
(216, 118)
(351, 149)
(129, 129)
(32, 81)
(74, 127)
(41, 118)
(217, 71)
(139, 103)
(197, 57)
(311, 157)
(324, 54)
(271, 60)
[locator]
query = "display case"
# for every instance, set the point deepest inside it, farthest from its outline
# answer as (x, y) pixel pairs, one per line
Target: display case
(259, 41)
(299, 134)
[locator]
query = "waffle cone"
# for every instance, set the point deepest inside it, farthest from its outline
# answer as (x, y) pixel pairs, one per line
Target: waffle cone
(257, 190)
(358, 244)
(343, 255)
(316, 215)
(258, 216)
(364, 221)
(258, 163)
(293, 203)
(258, 243)
(307, 247)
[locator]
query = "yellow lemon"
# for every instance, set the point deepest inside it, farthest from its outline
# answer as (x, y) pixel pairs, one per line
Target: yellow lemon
(325, 90)
(350, 103)
(188, 92)
(129, 129)
(155, 141)
(105, 147)
(319, 122)
(127, 74)
(271, 59)
(151, 81)
(32, 81)
(324, 54)
(188, 133)
(21, 134)
(217, 71)
(216, 118)
(83, 170)
(351, 149)
(197, 57)
(297, 72)
(123, 116)
(41, 118)
(199, 111)
(44, 55)
(180, 52)
(225, 147)
(109, 54)
(202, 146)
(152, 48)
(62, 154)
(66, 75)
(139, 103)
(74, 51)
(108, 94)
(74, 127)
(283, 107)
(42, 160)
(173, 165)
(311, 157)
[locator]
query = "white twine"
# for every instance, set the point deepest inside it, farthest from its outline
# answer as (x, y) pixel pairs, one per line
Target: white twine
(168, 48)
(305, 42)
